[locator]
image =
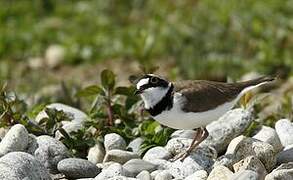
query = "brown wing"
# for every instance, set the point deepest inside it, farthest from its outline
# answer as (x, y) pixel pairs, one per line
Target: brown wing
(205, 95)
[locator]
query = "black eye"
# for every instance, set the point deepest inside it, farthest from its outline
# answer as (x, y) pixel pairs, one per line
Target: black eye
(154, 80)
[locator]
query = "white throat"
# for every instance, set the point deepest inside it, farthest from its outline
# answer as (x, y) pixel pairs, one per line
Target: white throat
(152, 96)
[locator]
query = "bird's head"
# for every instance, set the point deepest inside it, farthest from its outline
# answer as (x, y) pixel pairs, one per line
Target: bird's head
(152, 89)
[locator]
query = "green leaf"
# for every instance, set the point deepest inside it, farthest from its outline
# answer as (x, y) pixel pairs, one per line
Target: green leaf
(43, 121)
(64, 133)
(127, 91)
(161, 137)
(148, 127)
(130, 101)
(50, 123)
(90, 91)
(118, 109)
(36, 110)
(51, 112)
(108, 79)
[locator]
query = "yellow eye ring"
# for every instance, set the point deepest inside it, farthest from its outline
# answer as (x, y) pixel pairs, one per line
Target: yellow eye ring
(154, 80)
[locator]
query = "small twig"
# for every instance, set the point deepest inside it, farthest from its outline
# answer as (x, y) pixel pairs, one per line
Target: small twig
(109, 109)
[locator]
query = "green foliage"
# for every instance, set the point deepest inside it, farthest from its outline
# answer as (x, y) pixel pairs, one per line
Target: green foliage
(154, 135)
(108, 79)
(52, 123)
(14, 111)
(11, 108)
(205, 38)
(78, 142)
(116, 104)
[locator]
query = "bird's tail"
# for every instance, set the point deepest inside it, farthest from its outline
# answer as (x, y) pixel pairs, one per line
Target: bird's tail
(259, 80)
(251, 84)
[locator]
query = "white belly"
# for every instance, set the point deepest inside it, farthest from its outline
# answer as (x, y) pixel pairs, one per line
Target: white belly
(177, 119)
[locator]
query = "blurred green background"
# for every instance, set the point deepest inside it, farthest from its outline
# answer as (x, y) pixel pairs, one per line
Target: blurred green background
(200, 39)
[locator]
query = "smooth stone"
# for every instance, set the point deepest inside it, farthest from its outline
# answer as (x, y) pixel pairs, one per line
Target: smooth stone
(16, 139)
(284, 171)
(233, 145)
(284, 128)
(120, 156)
(115, 169)
(135, 166)
(157, 153)
(144, 175)
(286, 155)
(96, 154)
(198, 175)
(32, 144)
(21, 165)
(78, 168)
(178, 145)
(251, 163)
(189, 134)
(253, 147)
(201, 159)
(78, 117)
(220, 173)
(54, 55)
(245, 175)
(134, 145)
(163, 175)
(114, 141)
(269, 135)
(50, 152)
(229, 126)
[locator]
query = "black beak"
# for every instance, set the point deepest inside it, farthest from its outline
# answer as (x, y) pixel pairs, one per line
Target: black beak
(137, 92)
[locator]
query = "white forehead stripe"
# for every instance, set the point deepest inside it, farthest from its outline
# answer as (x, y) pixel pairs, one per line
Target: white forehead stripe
(142, 82)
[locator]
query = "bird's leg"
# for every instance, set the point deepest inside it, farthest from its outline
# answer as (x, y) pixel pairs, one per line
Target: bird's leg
(200, 136)
(204, 135)
(197, 135)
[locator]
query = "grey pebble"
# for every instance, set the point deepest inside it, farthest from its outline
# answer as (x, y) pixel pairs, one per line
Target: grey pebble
(120, 156)
(50, 151)
(114, 141)
(78, 168)
(16, 139)
(21, 165)
(135, 166)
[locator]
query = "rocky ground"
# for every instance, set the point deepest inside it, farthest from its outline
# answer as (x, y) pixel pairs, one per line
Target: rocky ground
(225, 155)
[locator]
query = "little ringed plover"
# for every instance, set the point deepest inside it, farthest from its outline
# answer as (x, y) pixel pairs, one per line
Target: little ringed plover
(191, 104)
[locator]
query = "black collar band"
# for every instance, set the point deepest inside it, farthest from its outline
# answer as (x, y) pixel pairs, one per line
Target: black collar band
(166, 103)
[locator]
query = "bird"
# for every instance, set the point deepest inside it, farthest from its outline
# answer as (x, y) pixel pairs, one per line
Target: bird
(191, 104)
